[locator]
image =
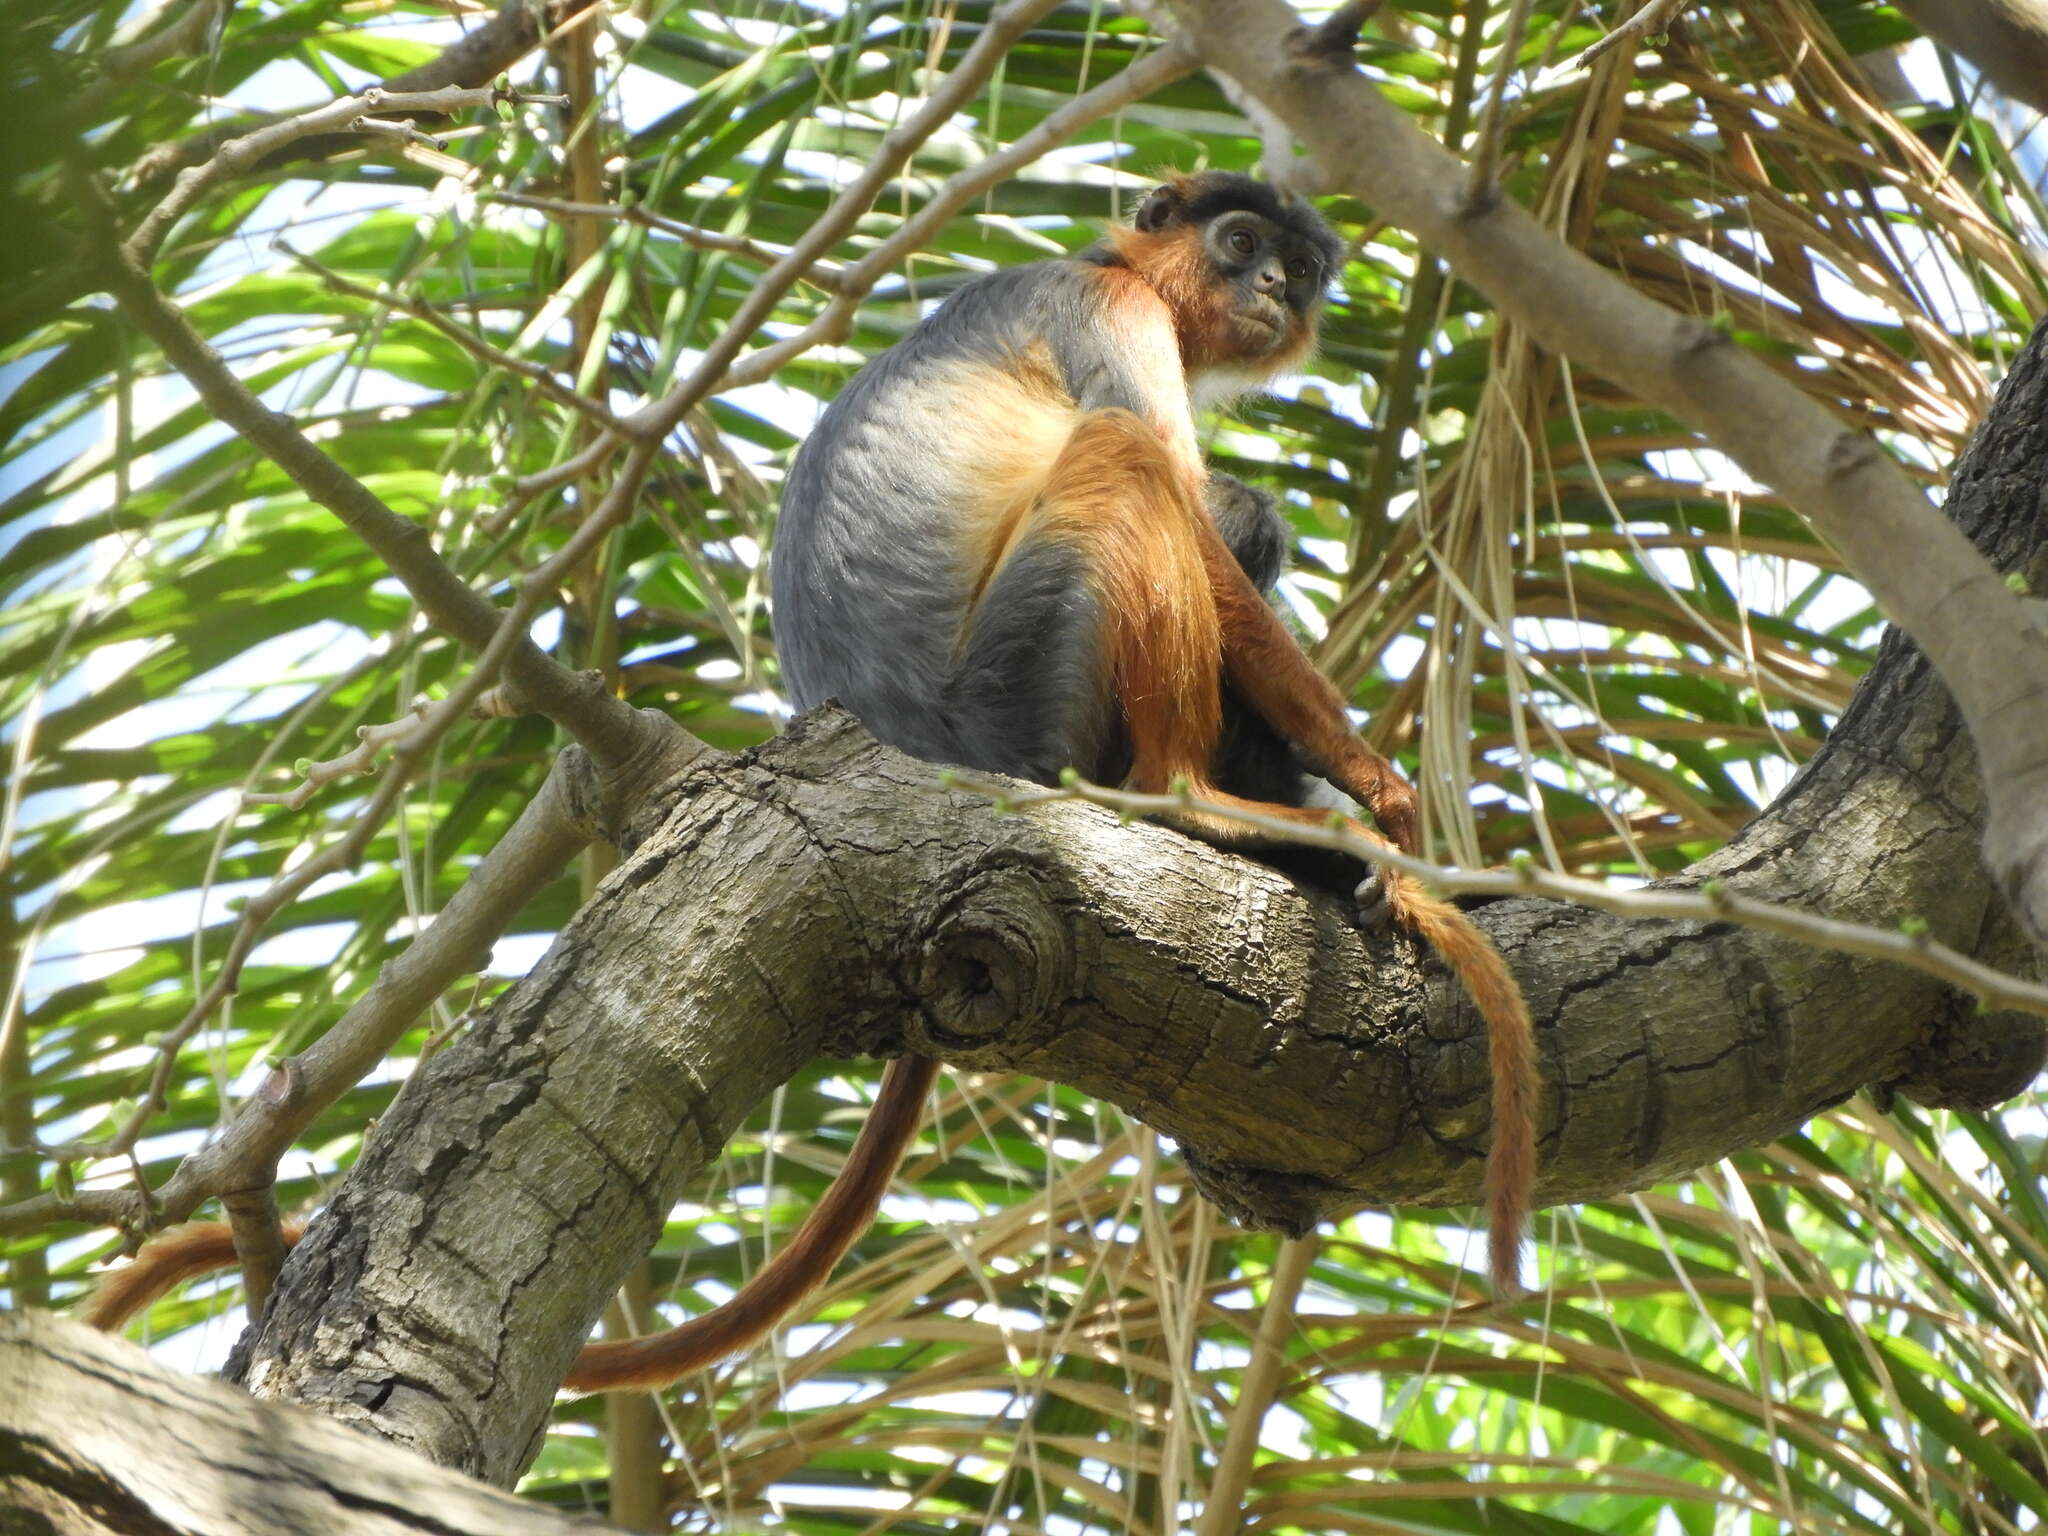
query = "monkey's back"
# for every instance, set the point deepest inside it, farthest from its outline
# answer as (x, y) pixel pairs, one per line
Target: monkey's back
(899, 505)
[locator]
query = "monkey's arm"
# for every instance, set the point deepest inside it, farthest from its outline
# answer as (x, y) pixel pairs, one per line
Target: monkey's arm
(1276, 677)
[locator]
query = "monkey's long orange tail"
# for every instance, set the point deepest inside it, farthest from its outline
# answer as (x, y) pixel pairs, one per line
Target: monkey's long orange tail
(184, 1253)
(1511, 1047)
(844, 1212)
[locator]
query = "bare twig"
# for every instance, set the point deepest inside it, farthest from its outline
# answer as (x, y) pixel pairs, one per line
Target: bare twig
(395, 128)
(536, 374)
(238, 156)
(1483, 184)
(1653, 18)
(1907, 945)
(822, 274)
(361, 759)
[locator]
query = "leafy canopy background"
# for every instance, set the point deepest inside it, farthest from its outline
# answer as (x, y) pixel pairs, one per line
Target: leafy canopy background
(1840, 1332)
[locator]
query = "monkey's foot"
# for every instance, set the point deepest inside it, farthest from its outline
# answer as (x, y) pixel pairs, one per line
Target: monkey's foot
(1375, 911)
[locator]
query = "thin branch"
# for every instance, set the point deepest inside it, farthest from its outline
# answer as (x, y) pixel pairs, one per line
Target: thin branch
(395, 128)
(915, 233)
(539, 844)
(361, 759)
(589, 713)
(341, 854)
(1484, 182)
(259, 1241)
(1907, 945)
(822, 274)
(1257, 1389)
(1336, 36)
(475, 59)
(347, 114)
(1656, 16)
(190, 23)
(346, 851)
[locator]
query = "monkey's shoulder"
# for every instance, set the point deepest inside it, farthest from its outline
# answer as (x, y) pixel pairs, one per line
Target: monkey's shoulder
(1044, 321)
(1000, 310)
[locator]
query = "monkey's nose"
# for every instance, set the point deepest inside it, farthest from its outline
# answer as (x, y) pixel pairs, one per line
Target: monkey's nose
(1271, 278)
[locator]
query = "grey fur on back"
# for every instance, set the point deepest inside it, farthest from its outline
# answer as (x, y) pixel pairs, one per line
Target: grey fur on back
(868, 591)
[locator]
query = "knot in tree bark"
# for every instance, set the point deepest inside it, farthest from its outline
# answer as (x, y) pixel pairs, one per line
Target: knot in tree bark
(998, 959)
(1974, 1061)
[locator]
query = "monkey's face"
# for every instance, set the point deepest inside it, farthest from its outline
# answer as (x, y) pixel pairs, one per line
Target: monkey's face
(1274, 279)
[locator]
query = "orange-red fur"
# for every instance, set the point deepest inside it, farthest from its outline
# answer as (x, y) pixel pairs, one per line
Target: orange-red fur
(653, 1360)
(1155, 539)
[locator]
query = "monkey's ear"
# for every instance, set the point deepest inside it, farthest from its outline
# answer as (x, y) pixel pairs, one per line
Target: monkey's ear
(1158, 209)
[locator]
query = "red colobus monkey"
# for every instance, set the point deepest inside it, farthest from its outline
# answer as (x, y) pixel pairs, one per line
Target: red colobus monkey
(1000, 548)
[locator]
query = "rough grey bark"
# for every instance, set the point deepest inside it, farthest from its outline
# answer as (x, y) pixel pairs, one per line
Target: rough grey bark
(97, 1439)
(818, 895)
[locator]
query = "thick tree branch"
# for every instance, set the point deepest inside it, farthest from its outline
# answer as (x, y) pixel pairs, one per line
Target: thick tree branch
(1906, 943)
(820, 895)
(1990, 649)
(97, 1439)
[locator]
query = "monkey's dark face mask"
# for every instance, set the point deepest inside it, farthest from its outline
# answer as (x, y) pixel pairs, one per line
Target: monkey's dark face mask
(1277, 279)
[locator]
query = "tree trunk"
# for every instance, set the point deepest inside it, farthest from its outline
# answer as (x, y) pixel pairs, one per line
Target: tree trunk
(820, 895)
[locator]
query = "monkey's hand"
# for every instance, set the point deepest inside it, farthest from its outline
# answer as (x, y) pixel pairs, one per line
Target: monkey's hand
(1377, 785)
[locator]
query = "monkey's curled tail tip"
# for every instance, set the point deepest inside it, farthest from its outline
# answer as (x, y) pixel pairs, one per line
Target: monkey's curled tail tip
(1511, 1161)
(1511, 1056)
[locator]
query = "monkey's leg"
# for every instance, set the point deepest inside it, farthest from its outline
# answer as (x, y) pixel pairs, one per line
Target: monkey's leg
(1116, 494)
(1252, 759)
(1095, 644)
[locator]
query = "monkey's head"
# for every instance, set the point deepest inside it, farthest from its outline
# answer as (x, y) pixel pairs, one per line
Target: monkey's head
(1244, 269)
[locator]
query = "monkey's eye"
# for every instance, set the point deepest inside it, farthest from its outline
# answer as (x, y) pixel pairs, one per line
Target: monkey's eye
(1298, 268)
(1242, 242)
